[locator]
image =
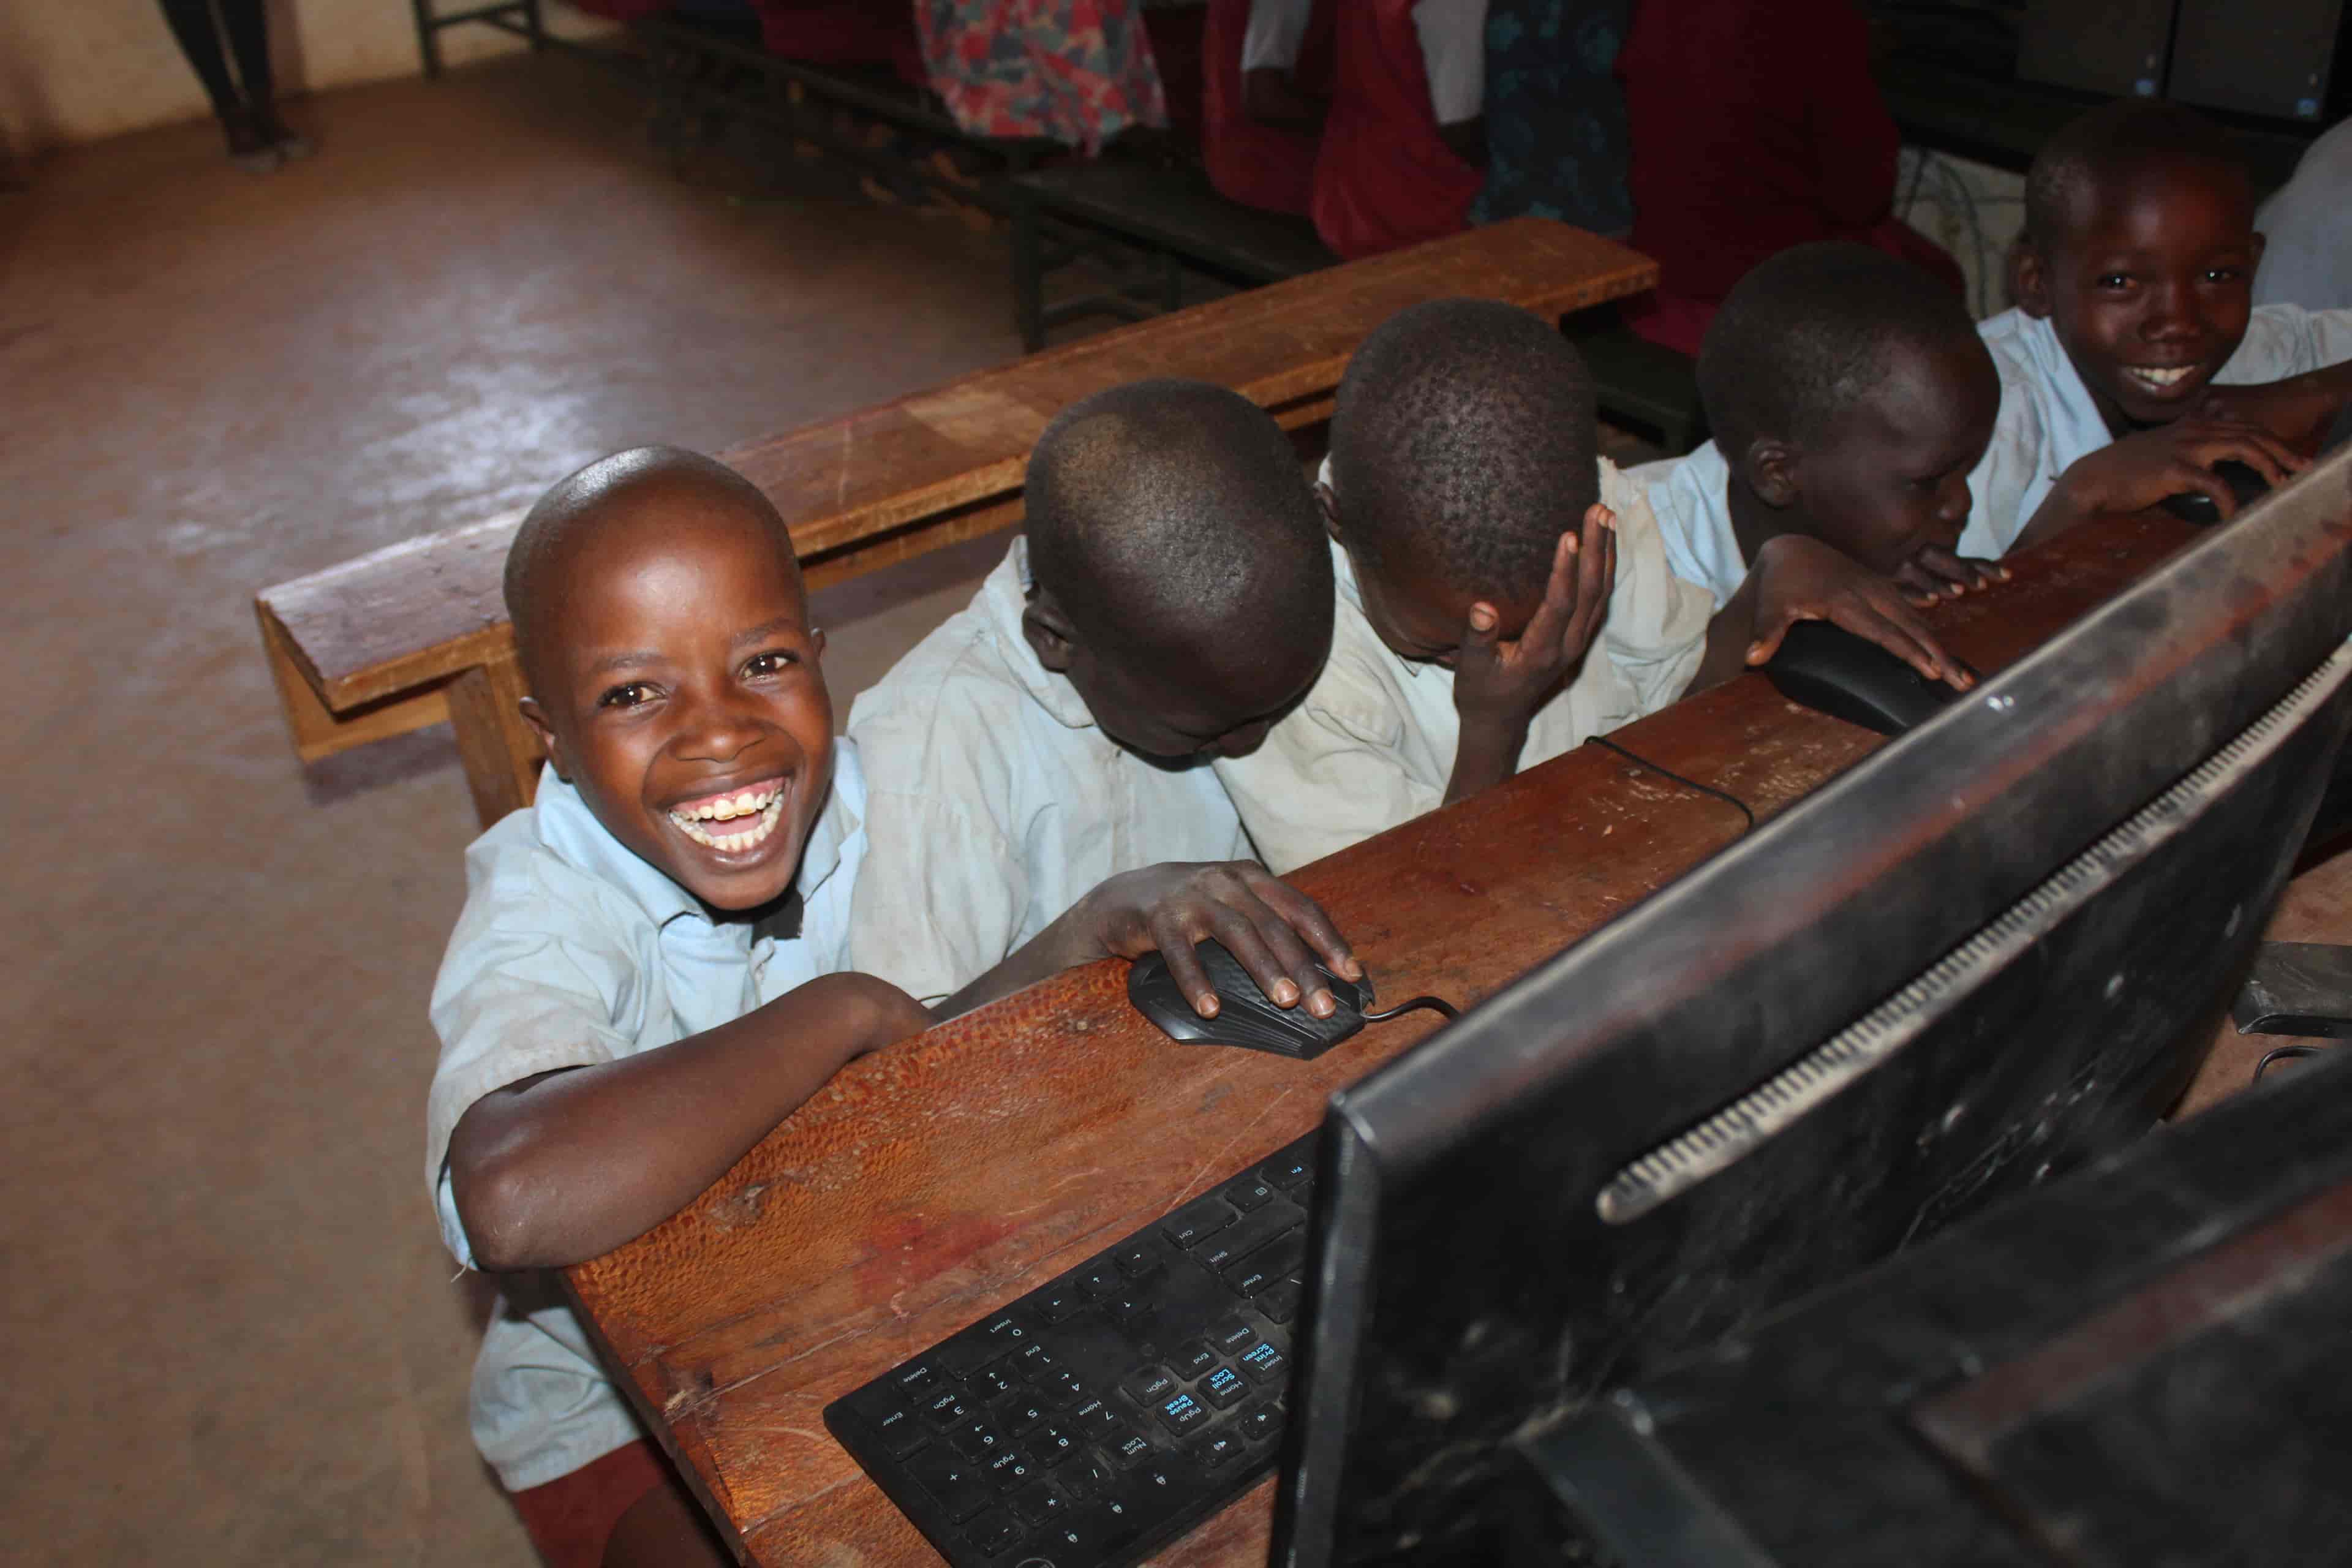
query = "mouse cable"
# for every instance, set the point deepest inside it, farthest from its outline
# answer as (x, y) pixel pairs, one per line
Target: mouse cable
(1434, 1004)
(1604, 741)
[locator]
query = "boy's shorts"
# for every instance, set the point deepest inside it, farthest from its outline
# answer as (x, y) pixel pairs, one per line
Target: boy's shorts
(571, 1518)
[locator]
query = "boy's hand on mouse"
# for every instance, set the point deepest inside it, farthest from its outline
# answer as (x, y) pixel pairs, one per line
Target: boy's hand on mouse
(2297, 409)
(1936, 572)
(2143, 468)
(1802, 579)
(1276, 931)
(1498, 685)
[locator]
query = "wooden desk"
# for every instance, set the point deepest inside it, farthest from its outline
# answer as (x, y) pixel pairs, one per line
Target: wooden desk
(933, 1181)
(417, 633)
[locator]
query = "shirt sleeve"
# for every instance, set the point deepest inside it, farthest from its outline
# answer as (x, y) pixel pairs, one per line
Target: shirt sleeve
(1275, 32)
(2309, 340)
(1656, 631)
(1330, 774)
(536, 979)
(1453, 34)
(2008, 478)
(939, 897)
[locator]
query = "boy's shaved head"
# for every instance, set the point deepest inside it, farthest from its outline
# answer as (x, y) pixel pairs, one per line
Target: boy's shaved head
(1810, 333)
(630, 486)
(1183, 583)
(1164, 512)
(1463, 441)
(2110, 146)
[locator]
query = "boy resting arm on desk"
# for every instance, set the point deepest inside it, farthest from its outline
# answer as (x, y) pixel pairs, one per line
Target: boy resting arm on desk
(1484, 555)
(648, 974)
(2134, 358)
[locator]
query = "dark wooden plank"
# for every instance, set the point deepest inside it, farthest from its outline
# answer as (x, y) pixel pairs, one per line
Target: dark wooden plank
(935, 1181)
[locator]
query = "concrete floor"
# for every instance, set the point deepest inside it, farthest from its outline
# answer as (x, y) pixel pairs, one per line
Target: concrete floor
(243, 1342)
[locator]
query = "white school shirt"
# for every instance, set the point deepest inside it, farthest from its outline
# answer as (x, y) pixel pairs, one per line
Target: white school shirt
(1451, 33)
(572, 951)
(2047, 421)
(2307, 227)
(1373, 743)
(1691, 497)
(997, 803)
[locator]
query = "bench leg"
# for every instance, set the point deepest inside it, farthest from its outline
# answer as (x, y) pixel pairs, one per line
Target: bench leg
(495, 743)
(429, 40)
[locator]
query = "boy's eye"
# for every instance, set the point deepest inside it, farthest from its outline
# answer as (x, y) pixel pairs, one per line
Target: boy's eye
(628, 694)
(2115, 279)
(775, 661)
(2223, 274)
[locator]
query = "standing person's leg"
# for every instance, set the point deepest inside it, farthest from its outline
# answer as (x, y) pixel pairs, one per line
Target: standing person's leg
(191, 24)
(247, 26)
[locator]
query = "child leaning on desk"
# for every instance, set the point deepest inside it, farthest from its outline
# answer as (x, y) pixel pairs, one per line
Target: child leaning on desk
(647, 976)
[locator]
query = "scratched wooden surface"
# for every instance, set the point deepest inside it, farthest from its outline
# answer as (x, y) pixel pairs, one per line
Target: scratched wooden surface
(888, 481)
(933, 1181)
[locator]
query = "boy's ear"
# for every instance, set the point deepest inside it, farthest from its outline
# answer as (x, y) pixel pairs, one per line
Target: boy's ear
(1051, 635)
(1769, 467)
(2030, 279)
(549, 746)
(1328, 504)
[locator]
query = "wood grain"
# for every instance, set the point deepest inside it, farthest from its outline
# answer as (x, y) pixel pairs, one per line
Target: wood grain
(935, 1181)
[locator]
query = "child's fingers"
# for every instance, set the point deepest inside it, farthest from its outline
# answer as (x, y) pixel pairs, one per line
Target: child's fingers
(1596, 577)
(1481, 640)
(1309, 918)
(1559, 600)
(1174, 944)
(2257, 448)
(1893, 626)
(1271, 962)
(2206, 482)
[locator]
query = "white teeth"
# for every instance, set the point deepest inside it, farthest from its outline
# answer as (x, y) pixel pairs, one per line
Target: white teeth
(734, 843)
(2169, 376)
(726, 808)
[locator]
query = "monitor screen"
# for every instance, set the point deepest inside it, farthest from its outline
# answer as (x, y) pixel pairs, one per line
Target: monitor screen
(1994, 949)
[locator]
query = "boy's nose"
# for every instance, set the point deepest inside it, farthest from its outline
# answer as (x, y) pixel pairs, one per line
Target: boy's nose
(2171, 314)
(717, 730)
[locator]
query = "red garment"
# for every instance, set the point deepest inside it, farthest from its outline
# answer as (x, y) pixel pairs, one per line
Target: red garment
(843, 33)
(1384, 178)
(1258, 165)
(1755, 126)
(571, 1518)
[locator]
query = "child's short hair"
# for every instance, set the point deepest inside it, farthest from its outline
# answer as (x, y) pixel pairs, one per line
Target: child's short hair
(1166, 508)
(2113, 142)
(1805, 335)
(1464, 431)
(572, 504)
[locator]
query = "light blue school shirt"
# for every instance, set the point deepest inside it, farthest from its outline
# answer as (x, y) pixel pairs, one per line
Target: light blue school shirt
(572, 951)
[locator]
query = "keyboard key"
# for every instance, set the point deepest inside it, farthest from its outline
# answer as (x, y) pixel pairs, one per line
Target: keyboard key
(1131, 1450)
(975, 1439)
(1126, 1310)
(1220, 1252)
(1291, 1169)
(1022, 1415)
(1232, 1335)
(1135, 1259)
(947, 1407)
(1059, 1303)
(1161, 1481)
(1194, 1358)
(1217, 1450)
(1091, 1534)
(1262, 1424)
(914, 1378)
(1008, 1332)
(1062, 1390)
(1040, 1503)
(1182, 1413)
(1248, 1193)
(1280, 1303)
(1010, 1469)
(1098, 1421)
(991, 1383)
(1269, 1265)
(957, 1485)
(1101, 1280)
(1055, 1445)
(1090, 1476)
(895, 1426)
(1033, 1361)
(1196, 1221)
(963, 1356)
(1265, 1364)
(993, 1533)
(1149, 1384)
(1225, 1388)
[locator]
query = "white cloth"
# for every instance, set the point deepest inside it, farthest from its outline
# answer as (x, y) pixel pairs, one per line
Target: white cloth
(1453, 34)
(2048, 422)
(1275, 33)
(2307, 225)
(571, 951)
(1691, 496)
(997, 803)
(1373, 743)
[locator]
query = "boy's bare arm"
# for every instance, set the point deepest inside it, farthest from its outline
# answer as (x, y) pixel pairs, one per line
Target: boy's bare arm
(2298, 410)
(1499, 686)
(1276, 931)
(2144, 467)
(568, 1165)
(1797, 578)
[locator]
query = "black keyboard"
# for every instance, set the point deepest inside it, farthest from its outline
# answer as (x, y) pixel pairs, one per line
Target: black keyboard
(1098, 1418)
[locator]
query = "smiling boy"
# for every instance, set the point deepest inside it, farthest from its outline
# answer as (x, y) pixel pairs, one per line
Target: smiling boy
(1849, 397)
(2134, 358)
(649, 973)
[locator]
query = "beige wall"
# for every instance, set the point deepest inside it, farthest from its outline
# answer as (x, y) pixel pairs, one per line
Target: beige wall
(73, 70)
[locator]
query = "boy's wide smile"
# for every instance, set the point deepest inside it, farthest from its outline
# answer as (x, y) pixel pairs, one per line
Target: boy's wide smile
(735, 821)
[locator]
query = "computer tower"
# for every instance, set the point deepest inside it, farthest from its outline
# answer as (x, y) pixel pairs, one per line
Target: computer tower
(2273, 57)
(2113, 47)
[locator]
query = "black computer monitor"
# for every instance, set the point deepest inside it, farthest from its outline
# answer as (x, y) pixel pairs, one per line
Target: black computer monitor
(1993, 949)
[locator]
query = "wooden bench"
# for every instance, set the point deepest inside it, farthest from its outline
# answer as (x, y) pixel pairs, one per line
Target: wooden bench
(417, 633)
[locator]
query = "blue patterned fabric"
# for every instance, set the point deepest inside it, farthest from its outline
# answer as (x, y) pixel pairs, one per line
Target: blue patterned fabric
(1556, 139)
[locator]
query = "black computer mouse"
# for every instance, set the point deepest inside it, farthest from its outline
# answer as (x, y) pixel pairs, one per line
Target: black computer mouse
(1244, 1017)
(1848, 676)
(2197, 507)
